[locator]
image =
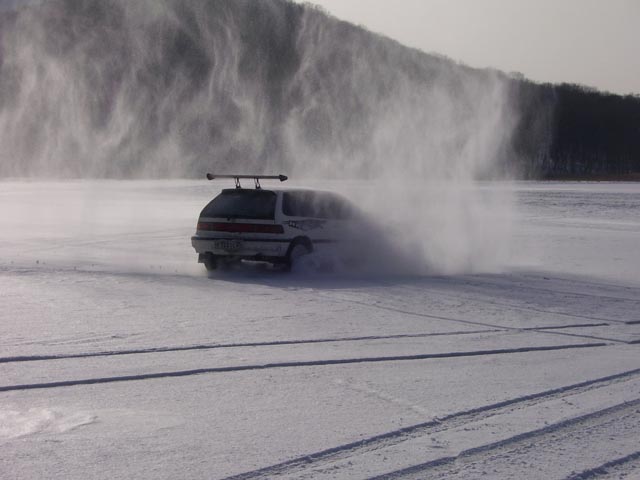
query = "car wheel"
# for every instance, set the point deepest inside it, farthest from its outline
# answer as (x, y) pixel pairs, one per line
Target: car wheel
(210, 263)
(297, 250)
(225, 263)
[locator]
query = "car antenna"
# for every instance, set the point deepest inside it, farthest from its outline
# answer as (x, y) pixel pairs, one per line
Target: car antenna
(256, 178)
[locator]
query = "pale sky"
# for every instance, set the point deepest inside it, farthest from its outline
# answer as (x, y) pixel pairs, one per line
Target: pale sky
(590, 42)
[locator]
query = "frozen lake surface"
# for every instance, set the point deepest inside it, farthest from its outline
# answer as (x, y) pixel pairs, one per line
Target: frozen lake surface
(120, 358)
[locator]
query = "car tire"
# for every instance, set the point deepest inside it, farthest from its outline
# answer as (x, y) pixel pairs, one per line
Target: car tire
(297, 249)
(225, 264)
(210, 263)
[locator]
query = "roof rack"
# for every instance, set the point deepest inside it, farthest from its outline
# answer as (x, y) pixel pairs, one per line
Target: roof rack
(256, 178)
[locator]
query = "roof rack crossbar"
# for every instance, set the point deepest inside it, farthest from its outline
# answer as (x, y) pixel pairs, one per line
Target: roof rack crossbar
(256, 178)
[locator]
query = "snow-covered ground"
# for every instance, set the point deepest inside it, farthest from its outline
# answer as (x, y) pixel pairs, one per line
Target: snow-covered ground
(120, 358)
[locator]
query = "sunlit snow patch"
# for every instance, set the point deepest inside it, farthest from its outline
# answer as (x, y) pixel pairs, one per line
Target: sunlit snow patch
(15, 423)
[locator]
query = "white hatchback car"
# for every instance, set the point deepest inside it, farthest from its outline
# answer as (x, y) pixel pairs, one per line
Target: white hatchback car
(270, 225)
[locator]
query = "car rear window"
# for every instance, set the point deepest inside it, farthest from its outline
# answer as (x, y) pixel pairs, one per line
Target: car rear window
(315, 205)
(240, 203)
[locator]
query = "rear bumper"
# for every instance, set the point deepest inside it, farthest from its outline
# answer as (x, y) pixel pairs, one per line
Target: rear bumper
(202, 258)
(252, 249)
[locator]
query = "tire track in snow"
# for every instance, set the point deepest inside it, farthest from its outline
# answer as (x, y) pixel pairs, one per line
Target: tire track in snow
(497, 451)
(275, 343)
(105, 238)
(310, 363)
(527, 279)
(525, 308)
(395, 437)
(489, 284)
(421, 314)
(209, 346)
(619, 468)
(483, 324)
(578, 335)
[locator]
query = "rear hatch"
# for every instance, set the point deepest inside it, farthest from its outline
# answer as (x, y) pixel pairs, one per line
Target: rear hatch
(238, 211)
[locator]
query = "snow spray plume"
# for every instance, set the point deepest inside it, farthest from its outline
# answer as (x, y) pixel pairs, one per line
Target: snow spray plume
(129, 89)
(112, 88)
(423, 130)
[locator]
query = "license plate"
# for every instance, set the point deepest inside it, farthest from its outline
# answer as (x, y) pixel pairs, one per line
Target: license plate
(228, 245)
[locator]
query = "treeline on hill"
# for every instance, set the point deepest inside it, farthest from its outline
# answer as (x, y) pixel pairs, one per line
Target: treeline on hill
(100, 87)
(573, 131)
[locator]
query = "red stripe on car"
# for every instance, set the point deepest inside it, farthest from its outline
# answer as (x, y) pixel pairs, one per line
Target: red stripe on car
(240, 227)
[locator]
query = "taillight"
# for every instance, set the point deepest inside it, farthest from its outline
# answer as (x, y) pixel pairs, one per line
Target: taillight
(240, 227)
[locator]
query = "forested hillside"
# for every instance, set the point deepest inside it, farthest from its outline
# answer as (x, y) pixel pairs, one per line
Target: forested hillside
(572, 131)
(166, 88)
